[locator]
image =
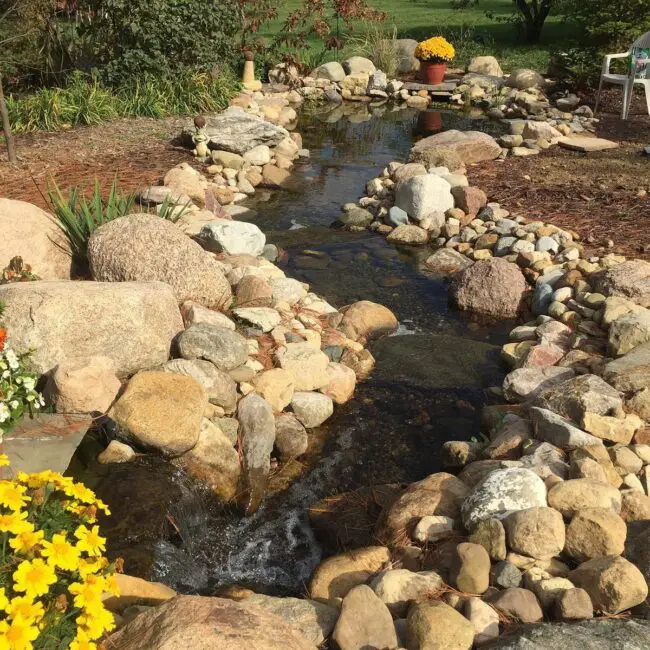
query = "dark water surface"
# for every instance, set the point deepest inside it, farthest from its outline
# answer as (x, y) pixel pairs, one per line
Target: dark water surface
(428, 385)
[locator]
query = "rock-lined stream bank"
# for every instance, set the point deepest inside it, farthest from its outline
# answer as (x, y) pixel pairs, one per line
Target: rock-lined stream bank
(427, 386)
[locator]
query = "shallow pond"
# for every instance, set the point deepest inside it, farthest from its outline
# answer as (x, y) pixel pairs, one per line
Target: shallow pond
(428, 385)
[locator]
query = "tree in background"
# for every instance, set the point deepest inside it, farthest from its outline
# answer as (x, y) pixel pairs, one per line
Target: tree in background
(530, 14)
(4, 113)
(322, 18)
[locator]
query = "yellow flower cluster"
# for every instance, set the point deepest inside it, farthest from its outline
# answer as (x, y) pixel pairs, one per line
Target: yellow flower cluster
(52, 582)
(435, 50)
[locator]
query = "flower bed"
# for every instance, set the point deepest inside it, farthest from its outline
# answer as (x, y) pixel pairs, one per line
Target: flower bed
(53, 570)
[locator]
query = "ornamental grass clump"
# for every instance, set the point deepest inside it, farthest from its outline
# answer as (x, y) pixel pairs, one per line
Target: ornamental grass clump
(18, 392)
(435, 50)
(52, 568)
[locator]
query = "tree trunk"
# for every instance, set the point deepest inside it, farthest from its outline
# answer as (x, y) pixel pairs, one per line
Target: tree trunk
(6, 127)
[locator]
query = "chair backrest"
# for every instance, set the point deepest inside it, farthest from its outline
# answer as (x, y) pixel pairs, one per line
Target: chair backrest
(640, 50)
(639, 66)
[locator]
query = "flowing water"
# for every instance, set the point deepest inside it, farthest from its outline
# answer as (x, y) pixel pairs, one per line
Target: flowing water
(428, 385)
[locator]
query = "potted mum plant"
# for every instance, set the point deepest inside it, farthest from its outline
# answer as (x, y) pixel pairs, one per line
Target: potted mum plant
(434, 55)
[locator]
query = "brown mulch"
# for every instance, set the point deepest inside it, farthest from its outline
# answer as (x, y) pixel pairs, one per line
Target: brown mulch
(601, 196)
(135, 151)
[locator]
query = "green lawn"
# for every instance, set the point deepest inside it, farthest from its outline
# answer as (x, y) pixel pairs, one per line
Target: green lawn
(470, 30)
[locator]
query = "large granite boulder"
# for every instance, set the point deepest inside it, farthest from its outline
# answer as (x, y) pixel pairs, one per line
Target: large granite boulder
(405, 55)
(492, 287)
(630, 279)
(485, 65)
(142, 247)
(207, 624)
(523, 78)
(599, 634)
(470, 146)
(237, 131)
(31, 233)
(132, 323)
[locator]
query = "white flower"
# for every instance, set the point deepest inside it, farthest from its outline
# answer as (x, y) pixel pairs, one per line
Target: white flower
(29, 383)
(12, 359)
(4, 412)
(6, 374)
(14, 404)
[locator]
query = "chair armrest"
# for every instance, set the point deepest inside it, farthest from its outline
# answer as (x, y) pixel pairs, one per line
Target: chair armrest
(607, 60)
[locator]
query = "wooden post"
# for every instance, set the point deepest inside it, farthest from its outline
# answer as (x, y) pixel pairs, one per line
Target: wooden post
(6, 127)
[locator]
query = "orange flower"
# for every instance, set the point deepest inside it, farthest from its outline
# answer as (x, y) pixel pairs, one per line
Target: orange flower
(3, 336)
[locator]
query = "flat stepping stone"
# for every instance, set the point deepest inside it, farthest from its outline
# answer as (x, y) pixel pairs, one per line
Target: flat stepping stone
(45, 441)
(586, 144)
(446, 87)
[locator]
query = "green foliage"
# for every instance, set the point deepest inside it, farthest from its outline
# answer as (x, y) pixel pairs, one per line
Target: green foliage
(87, 101)
(151, 37)
(78, 217)
(606, 27)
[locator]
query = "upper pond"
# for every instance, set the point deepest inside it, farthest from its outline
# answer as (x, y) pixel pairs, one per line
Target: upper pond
(428, 386)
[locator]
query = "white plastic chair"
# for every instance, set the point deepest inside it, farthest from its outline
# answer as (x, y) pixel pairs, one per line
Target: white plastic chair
(638, 73)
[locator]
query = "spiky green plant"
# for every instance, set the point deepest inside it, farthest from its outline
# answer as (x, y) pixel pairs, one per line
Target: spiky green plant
(172, 209)
(78, 217)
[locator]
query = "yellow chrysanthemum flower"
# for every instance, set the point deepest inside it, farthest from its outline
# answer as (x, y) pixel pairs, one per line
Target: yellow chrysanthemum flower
(111, 586)
(4, 460)
(18, 635)
(13, 495)
(95, 625)
(4, 601)
(34, 578)
(88, 592)
(27, 609)
(60, 553)
(90, 540)
(26, 541)
(435, 50)
(82, 642)
(15, 523)
(90, 566)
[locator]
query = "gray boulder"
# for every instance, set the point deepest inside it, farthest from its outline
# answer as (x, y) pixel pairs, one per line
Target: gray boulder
(469, 146)
(358, 64)
(422, 195)
(145, 248)
(232, 237)
(523, 78)
(220, 387)
(599, 634)
(630, 280)
(237, 131)
(502, 492)
(333, 71)
(257, 430)
(405, 55)
(556, 430)
(223, 347)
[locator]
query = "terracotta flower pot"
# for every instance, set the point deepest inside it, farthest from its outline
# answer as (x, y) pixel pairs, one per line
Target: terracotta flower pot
(432, 73)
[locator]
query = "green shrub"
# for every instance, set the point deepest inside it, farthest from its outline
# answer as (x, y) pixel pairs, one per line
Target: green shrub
(606, 27)
(151, 37)
(87, 101)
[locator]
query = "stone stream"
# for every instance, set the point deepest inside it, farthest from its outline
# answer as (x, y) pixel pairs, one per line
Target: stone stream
(428, 386)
